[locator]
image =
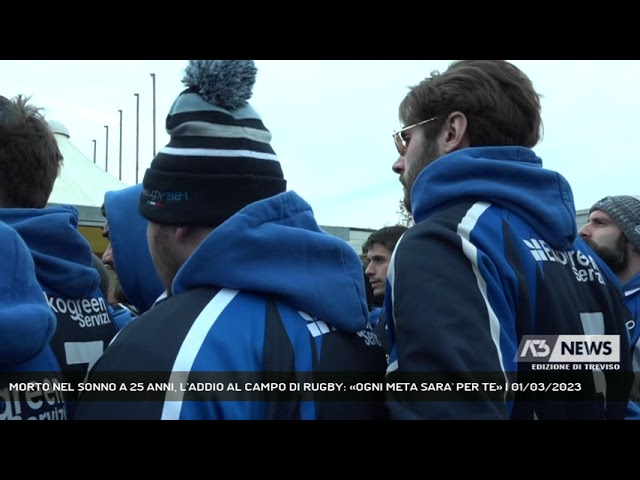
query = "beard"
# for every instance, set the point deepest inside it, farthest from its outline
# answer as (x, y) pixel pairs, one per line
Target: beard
(616, 257)
(428, 154)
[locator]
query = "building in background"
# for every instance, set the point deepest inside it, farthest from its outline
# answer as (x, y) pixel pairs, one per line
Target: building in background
(581, 217)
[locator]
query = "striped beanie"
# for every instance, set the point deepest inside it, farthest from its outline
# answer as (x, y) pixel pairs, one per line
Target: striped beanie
(625, 211)
(219, 158)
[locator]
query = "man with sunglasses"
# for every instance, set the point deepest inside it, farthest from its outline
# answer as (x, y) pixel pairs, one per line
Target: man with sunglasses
(492, 280)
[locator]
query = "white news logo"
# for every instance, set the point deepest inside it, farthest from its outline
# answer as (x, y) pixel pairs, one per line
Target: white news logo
(569, 348)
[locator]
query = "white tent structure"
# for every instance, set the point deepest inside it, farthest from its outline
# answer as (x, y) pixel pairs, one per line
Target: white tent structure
(83, 184)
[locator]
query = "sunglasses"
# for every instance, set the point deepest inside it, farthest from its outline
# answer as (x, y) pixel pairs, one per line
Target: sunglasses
(399, 140)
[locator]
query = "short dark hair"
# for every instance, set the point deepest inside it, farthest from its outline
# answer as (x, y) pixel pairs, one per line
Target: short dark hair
(498, 99)
(30, 159)
(386, 236)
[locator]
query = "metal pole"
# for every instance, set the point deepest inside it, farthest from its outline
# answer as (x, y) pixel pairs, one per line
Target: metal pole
(153, 76)
(137, 95)
(94, 151)
(120, 157)
(106, 149)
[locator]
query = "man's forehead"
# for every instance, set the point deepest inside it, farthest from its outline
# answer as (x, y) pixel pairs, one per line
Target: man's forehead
(600, 215)
(378, 250)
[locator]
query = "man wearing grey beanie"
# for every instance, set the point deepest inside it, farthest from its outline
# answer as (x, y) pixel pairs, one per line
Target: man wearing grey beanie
(613, 232)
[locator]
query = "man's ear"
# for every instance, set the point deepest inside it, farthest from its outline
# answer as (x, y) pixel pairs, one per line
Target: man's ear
(183, 234)
(455, 134)
(191, 234)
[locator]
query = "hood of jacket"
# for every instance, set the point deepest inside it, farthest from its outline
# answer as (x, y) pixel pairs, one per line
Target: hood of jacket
(26, 321)
(131, 256)
(510, 177)
(61, 254)
(275, 246)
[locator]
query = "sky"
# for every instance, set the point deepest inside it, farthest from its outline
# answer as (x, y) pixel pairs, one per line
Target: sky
(332, 122)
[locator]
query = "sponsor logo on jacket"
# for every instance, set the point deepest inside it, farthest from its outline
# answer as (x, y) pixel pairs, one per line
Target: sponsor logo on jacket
(583, 266)
(87, 312)
(32, 402)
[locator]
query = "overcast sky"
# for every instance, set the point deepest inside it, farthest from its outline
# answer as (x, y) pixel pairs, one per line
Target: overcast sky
(332, 121)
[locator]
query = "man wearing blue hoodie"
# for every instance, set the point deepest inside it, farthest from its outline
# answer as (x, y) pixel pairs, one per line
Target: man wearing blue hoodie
(29, 164)
(378, 248)
(260, 300)
(613, 232)
(492, 273)
(27, 324)
(128, 254)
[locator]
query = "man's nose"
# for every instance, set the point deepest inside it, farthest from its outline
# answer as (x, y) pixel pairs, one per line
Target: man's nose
(584, 231)
(369, 270)
(107, 256)
(398, 166)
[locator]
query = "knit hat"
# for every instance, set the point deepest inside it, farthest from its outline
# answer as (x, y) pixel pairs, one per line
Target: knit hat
(219, 158)
(625, 211)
